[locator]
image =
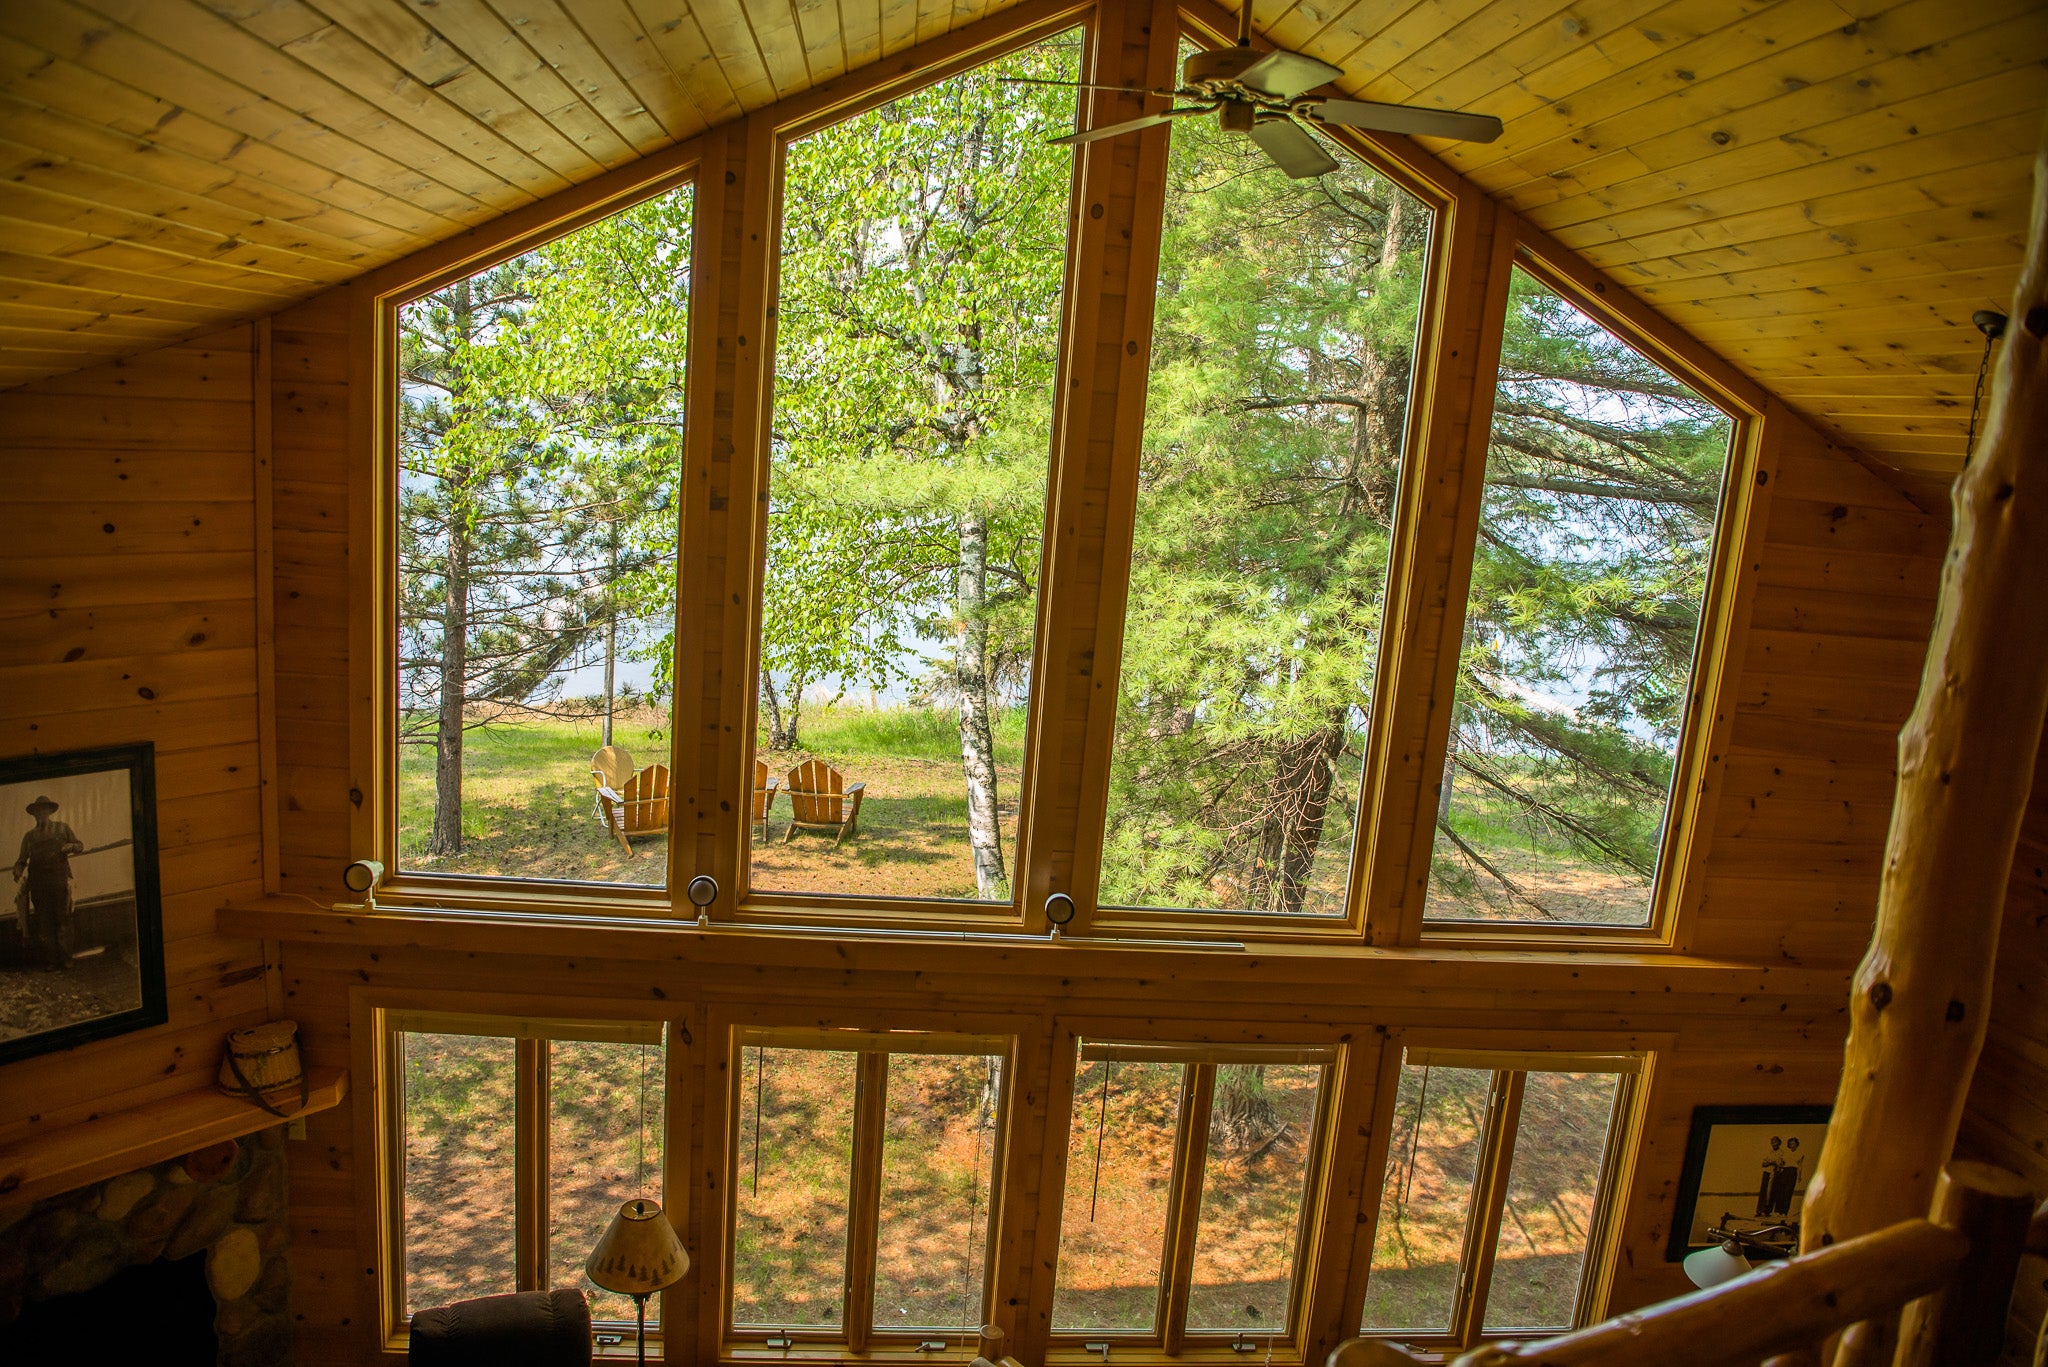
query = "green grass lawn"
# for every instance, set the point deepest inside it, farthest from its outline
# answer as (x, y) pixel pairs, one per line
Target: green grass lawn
(528, 809)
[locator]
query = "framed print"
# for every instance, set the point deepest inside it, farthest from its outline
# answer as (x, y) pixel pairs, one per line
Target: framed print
(81, 924)
(1746, 1169)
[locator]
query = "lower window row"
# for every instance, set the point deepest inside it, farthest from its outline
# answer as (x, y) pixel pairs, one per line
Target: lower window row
(865, 1173)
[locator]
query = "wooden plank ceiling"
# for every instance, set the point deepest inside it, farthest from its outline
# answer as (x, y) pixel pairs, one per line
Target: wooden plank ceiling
(1823, 190)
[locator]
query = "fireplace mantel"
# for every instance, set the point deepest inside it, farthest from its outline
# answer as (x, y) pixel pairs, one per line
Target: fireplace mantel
(122, 1141)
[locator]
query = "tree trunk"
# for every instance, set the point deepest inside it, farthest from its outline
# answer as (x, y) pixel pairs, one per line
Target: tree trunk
(784, 715)
(971, 681)
(1297, 806)
(611, 628)
(1921, 998)
(446, 838)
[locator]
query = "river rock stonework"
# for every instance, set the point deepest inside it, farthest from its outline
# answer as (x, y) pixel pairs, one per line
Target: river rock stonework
(227, 1199)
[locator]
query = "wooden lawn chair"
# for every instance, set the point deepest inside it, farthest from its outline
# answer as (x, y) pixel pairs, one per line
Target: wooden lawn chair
(765, 789)
(629, 803)
(819, 800)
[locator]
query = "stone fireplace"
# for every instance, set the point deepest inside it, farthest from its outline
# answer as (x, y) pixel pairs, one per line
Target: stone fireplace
(223, 1204)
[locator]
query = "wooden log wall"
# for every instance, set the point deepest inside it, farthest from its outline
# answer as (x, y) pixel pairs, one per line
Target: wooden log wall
(2006, 1119)
(133, 606)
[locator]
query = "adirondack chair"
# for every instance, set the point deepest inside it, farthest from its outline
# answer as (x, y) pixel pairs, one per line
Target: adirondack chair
(820, 800)
(629, 803)
(765, 789)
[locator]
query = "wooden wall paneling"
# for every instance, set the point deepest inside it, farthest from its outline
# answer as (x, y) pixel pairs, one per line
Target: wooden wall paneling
(312, 517)
(128, 609)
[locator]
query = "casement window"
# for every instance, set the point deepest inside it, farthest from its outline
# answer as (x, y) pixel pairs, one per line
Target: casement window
(1595, 558)
(1193, 1176)
(1276, 439)
(511, 1144)
(863, 1179)
(539, 438)
(1502, 1180)
(922, 254)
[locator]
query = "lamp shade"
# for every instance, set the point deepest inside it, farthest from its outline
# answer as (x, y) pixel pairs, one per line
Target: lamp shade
(1712, 1266)
(639, 1253)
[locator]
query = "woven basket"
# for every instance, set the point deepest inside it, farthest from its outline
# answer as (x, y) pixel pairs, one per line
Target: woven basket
(262, 1065)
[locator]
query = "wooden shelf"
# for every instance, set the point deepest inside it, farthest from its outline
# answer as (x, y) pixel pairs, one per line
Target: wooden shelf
(123, 1141)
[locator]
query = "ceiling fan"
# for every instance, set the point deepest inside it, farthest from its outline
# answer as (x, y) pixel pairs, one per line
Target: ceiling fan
(1263, 94)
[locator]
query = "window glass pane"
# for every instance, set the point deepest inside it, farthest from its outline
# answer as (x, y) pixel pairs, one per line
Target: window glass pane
(1119, 1178)
(1262, 1128)
(604, 1149)
(938, 1167)
(794, 1164)
(460, 1140)
(1275, 417)
(1439, 1120)
(922, 255)
(1553, 1189)
(540, 428)
(1603, 481)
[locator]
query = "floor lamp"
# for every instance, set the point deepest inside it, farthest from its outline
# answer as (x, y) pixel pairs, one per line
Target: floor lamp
(638, 1256)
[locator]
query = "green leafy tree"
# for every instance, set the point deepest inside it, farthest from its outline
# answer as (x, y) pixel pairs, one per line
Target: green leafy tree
(1281, 360)
(540, 419)
(1603, 482)
(922, 253)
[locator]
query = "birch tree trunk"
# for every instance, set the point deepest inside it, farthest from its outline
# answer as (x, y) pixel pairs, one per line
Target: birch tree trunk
(971, 681)
(1922, 996)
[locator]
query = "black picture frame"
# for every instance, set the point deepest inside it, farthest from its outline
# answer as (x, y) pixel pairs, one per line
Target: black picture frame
(1737, 1125)
(107, 947)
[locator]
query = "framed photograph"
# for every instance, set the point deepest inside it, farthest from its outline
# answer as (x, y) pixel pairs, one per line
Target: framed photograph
(81, 925)
(1746, 1169)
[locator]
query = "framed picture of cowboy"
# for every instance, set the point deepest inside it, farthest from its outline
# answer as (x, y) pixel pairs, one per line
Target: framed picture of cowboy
(81, 926)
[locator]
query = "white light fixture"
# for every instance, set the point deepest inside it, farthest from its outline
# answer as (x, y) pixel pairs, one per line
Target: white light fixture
(1712, 1266)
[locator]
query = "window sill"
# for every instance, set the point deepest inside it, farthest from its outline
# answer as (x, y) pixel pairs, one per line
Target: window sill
(1347, 971)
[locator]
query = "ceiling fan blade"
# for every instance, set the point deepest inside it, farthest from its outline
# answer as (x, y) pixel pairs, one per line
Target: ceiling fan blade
(1287, 74)
(1405, 118)
(1118, 129)
(1293, 147)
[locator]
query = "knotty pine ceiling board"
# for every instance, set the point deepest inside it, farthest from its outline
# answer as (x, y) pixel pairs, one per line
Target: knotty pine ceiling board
(1822, 190)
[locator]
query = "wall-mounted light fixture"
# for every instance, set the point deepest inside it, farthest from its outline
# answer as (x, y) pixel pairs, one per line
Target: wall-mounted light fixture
(1730, 1258)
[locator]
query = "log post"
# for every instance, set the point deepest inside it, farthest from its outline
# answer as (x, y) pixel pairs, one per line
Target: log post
(1963, 1324)
(1921, 997)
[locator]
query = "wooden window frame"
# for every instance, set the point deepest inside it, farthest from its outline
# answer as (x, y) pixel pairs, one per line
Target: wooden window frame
(856, 1335)
(1210, 26)
(530, 1032)
(1632, 1059)
(373, 504)
(1693, 797)
(1169, 1338)
(801, 117)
